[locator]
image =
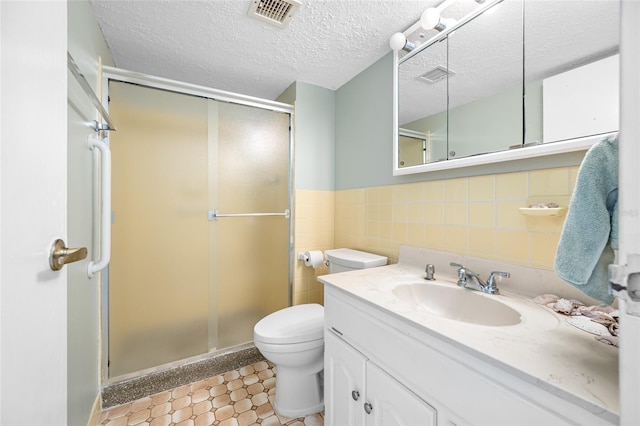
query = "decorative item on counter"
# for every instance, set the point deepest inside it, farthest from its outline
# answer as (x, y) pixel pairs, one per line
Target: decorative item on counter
(602, 321)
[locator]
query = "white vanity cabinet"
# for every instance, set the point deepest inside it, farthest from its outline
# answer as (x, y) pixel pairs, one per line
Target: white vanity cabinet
(357, 392)
(414, 376)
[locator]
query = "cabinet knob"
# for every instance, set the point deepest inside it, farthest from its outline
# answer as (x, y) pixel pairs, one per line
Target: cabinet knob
(355, 395)
(368, 408)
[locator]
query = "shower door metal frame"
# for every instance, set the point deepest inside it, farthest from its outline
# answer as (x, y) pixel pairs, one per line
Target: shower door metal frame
(153, 82)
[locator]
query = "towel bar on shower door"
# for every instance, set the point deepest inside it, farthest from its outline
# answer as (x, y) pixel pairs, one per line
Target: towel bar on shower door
(214, 215)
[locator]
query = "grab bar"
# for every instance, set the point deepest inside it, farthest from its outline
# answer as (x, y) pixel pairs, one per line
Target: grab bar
(214, 215)
(105, 207)
(73, 67)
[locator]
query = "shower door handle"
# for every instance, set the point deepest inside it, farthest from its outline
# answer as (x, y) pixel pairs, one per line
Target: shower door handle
(215, 214)
(60, 255)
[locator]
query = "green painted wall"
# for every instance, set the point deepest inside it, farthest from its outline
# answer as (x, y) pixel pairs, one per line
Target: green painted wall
(364, 144)
(314, 135)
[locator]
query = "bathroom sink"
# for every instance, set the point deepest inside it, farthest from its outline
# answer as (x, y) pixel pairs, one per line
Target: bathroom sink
(457, 304)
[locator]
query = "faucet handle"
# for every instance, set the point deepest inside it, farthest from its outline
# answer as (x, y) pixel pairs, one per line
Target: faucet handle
(500, 273)
(462, 273)
(491, 282)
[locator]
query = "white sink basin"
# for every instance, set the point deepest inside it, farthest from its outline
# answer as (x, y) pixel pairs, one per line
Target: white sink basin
(457, 303)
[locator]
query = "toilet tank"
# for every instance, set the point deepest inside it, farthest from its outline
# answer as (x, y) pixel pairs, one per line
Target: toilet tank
(343, 259)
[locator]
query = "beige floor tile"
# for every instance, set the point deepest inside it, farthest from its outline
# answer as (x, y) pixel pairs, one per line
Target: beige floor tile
(247, 418)
(205, 419)
(164, 420)
(181, 391)
(140, 404)
(224, 412)
(182, 414)
(202, 407)
(119, 411)
(160, 409)
(139, 417)
(242, 397)
(200, 395)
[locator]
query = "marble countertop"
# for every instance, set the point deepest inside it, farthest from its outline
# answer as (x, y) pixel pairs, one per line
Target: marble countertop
(543, 349)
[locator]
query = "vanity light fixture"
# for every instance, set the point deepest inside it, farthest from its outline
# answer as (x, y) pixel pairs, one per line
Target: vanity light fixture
(399, 41)
(431, 19)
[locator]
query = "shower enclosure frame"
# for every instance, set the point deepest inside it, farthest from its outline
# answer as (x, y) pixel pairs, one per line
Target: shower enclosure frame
(153, 82)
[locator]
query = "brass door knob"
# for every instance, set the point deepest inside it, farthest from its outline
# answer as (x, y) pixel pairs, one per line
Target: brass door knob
(60, 255)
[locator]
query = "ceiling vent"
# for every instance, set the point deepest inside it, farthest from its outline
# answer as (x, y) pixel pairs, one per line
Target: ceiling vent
(275, 12)
(436, 74)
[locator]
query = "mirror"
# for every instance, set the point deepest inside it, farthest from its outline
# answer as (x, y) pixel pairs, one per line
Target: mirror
(493, 83)
(485, 94)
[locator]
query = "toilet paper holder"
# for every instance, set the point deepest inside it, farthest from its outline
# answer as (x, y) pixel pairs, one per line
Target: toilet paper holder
(313, 258)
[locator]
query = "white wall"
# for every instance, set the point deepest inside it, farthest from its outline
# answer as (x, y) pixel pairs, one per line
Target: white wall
(33, 301)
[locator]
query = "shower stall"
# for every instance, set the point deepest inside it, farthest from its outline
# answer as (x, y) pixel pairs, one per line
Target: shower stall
(201, 221)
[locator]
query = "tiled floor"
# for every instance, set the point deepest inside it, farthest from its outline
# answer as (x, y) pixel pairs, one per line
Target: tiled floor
(237, 398)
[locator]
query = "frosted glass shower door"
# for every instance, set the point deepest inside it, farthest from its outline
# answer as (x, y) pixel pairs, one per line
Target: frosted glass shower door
(182, 285)
(252, 252)
(159, 274)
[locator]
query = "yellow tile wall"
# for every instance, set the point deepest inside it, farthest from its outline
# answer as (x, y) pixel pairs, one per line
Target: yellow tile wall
(314, 230)
(476, 216)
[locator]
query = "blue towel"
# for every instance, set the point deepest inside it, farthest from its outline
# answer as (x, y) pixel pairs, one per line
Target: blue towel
(590, 231)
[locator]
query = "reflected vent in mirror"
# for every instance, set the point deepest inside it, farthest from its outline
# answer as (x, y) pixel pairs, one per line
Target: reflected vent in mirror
(275, 12)
(436, 74)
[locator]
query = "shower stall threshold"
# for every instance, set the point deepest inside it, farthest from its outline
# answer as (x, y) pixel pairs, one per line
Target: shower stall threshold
(127, 388)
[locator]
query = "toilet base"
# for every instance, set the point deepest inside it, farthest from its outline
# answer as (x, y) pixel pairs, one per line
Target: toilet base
(298, 394)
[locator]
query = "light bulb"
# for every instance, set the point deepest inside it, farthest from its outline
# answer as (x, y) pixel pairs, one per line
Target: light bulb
(399, 41)
(430, 20)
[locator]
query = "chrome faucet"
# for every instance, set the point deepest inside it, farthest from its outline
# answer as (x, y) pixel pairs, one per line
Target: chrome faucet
(465, 274)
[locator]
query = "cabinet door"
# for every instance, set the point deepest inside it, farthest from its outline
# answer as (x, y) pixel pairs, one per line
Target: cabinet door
(344, 385)
(390, 403)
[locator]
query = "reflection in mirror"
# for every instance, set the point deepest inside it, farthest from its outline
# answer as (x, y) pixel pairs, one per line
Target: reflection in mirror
(485, 94)
(413, 147)
(423, 100)
(568, 97)
(571, 69)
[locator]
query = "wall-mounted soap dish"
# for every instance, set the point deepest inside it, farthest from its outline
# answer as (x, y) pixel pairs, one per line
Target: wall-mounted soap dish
(543, 211)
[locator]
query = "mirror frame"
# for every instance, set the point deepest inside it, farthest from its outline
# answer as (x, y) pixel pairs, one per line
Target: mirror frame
(526, 152)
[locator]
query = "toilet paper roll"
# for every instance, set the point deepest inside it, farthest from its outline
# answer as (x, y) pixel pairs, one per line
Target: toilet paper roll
(313, 258)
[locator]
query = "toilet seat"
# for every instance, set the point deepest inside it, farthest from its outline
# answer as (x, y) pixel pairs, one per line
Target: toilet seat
(296, 324)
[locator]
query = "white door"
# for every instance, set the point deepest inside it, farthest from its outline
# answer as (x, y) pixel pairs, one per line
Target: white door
(344, 382)
(33, 198)
(390, 403)
(629, 208)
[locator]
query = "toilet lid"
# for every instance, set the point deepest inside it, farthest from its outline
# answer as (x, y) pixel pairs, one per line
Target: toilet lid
(296, 324)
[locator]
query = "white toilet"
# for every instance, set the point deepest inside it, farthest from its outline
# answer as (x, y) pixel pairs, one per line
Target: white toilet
(293, 339)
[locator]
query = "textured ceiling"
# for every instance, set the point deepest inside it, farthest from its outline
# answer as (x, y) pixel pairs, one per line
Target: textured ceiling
(216, 44)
